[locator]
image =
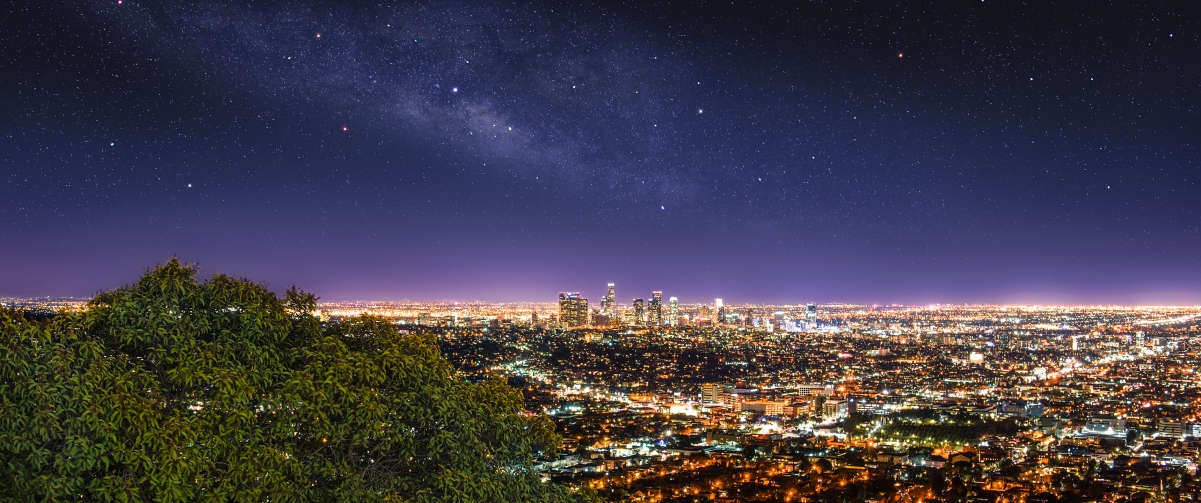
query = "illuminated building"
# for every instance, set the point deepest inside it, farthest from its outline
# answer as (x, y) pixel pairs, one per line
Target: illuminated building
(815, 389)
(673, 312)
(1172, 429)
(713, 393)
(607, 302)
(765, 407)
(654, 312)
(811, 316)
(637, 315)
(573, 310)
(835, 409)
(719, 312)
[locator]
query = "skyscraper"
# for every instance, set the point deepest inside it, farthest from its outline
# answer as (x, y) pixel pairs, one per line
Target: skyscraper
(654, 312)
(607, 302)
(719, 312)
(637, 317)
(673, 312)
(573, 310)
(811, 316)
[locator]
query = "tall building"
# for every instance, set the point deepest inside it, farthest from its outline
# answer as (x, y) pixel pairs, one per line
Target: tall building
(811, 316)
(673, 312)
(713, 393)
(573, 310)
(638, 316)
(654, 311)
(719, 312)
(607, 302)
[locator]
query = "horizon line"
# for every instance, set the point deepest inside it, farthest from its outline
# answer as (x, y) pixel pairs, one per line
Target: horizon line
(47, 298)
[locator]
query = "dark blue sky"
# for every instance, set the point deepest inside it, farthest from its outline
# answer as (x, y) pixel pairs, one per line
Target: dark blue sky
(956, 151)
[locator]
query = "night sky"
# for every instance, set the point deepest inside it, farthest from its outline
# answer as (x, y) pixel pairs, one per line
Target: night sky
(951, 151)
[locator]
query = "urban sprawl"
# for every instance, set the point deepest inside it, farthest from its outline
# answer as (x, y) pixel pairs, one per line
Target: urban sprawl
(663, 401)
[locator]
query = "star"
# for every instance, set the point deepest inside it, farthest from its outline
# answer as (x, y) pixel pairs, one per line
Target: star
(592, 144)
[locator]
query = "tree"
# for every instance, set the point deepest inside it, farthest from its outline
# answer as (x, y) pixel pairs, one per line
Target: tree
(176, 390)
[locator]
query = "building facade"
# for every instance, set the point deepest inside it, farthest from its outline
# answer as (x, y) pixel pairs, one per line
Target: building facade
(638, 313)
(573, 310)
(654, 312)
(607, 302)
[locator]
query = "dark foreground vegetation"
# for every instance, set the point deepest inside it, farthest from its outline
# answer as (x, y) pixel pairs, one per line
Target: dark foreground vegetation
(177, 390)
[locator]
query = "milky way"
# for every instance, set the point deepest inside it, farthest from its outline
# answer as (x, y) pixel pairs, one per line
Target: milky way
(950, 152)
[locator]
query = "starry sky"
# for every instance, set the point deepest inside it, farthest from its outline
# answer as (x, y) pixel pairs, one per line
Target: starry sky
(871, 152)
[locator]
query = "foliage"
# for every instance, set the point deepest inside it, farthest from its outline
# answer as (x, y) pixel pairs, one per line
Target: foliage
(926, 427)
(858, 422)
(176, 390)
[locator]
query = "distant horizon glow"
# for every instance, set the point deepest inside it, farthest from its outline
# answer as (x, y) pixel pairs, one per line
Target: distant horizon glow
(943, 153)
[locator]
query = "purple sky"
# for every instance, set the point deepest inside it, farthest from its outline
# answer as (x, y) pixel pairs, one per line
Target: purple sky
(974, 152)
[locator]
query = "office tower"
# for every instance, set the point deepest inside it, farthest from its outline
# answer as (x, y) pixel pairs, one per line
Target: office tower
(607, 302)
(673, 312)
(811, 316)
(638, 315)
(573, 310)
(713, 393)
(595, 317)
(719, 312)
(654, 312)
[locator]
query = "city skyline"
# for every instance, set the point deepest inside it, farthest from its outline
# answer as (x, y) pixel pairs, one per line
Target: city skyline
(549, 298)
(687, 299)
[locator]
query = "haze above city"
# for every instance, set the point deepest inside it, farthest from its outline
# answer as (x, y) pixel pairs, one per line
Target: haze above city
(954, 152)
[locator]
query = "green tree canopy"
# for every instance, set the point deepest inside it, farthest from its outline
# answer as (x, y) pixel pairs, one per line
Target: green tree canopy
(177, 390)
